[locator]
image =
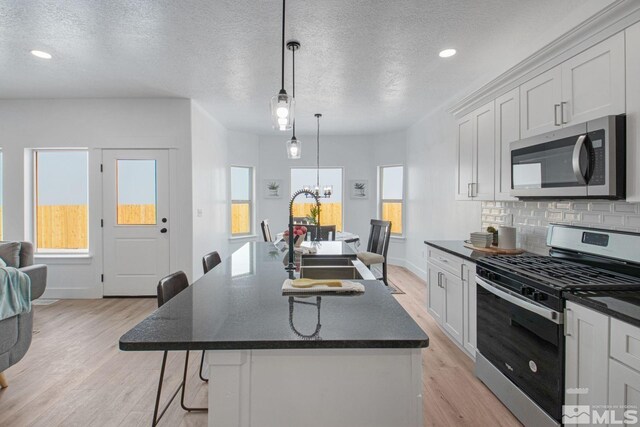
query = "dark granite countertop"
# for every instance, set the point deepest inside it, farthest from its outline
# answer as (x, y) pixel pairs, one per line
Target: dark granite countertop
(457, 248)
(622, 305)
(239, 305)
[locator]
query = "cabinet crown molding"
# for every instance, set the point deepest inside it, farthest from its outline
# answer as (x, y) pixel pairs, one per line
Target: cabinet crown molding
(609, 21)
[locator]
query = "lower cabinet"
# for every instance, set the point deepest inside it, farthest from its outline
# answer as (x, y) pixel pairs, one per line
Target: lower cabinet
(469, 307)
(587, 356)
(451, 299)
(602, 369)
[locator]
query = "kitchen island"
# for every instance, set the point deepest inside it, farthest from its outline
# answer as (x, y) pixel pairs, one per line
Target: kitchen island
(277, 360)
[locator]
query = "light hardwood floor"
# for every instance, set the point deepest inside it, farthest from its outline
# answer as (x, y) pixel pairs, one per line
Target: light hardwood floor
(74, 374)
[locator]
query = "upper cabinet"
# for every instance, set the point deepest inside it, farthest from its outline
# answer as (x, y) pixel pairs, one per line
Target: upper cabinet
(507, 113)
(593, 82)
(540, 103)
(475, 169)
(633, 113)
(585, 87)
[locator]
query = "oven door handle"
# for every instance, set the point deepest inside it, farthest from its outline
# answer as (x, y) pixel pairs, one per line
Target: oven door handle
(516, 299)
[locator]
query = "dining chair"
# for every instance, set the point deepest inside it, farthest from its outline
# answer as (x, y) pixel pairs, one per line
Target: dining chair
(169, 287)
(266, 231)
(377, 247)
(210, 260)
(321, 233)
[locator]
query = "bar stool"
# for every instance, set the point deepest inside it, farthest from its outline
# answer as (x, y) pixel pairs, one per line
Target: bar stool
(168, 288)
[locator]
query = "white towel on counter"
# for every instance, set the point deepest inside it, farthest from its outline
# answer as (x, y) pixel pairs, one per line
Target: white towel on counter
(321, 285)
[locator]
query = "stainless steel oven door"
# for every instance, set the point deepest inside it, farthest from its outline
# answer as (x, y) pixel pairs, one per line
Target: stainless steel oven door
(523, 340)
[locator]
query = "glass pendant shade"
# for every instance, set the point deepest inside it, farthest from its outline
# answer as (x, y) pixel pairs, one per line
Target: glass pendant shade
(294, 148)
(282, 111)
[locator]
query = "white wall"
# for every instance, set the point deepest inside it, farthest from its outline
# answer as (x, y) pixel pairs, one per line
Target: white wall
(433, 213)
(94, 124)
(210, 186)
(358, 155)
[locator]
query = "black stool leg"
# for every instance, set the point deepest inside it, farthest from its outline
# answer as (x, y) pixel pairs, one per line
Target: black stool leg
(156, 417)
(201, 365)
(384, 272)
(184, 387)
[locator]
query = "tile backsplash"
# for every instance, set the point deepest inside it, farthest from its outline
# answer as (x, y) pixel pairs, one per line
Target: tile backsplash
(532, 218)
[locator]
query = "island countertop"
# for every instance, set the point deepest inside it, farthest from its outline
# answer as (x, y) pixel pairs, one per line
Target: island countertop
(239, 305)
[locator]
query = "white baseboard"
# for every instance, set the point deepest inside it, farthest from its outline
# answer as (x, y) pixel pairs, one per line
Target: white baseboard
(72, 293)
(415, 270)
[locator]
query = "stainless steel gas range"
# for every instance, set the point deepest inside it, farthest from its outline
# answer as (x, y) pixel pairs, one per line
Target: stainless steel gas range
(520, 309)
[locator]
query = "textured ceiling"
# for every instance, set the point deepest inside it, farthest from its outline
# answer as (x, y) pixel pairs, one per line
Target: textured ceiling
(368, 65)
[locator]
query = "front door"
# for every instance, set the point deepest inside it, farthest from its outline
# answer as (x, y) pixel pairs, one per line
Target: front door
(137, 227)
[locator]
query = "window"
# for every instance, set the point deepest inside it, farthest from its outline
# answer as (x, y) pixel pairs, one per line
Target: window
(61, 200)
(391, 196)
(136, 192)
(330, 208)
(241, 200)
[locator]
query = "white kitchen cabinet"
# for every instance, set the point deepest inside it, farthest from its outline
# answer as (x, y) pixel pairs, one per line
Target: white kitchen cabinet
(476, 141)
(435, 292)
(507, 115)
(633, 112)
(540, 100)
(593, 82)
(586, 356)
(453, 317)
(451, 297)
(464, 169)
(585, 87)
(624, 388)
(469, 307)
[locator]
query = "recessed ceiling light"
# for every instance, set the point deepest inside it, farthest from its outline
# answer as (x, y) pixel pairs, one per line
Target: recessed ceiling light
(447, 53)
(40, 54)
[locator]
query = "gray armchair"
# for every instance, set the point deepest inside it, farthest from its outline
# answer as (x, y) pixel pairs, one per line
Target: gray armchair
(15, 332)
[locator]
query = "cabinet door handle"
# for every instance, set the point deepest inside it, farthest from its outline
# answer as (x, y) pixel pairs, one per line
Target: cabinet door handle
(442, 259)
(562, 104)
(555, 115)
(439, 279)
(568, 321)
(474, 189)
(469, 190)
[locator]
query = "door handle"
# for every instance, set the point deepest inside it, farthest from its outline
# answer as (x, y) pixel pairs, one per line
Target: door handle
(567, 322)
(575, 161)
(164, 220)
(163, 230)
(562, 104)
(555, 115)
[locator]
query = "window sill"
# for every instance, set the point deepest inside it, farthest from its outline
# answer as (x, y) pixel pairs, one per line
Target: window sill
(243, 237)
(399, 238)
(61, 258)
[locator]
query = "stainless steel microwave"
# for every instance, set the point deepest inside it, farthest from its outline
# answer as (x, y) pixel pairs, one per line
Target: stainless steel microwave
(582, 161)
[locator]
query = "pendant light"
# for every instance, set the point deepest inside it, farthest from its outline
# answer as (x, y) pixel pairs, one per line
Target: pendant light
(294, 146)
(320, 191)
(282, 105)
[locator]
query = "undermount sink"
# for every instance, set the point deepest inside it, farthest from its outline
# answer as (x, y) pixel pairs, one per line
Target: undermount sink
(334, 268)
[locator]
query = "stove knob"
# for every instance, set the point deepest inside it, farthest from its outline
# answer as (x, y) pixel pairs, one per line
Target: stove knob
(539, 296)
(526, 291)
(491, 276)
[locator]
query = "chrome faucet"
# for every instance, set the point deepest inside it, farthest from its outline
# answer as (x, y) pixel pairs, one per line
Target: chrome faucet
(291, 266)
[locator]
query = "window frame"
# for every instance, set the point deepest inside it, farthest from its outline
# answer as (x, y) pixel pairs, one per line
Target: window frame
(382, 201)
(34, 203)
(341, 187)
(250, 202)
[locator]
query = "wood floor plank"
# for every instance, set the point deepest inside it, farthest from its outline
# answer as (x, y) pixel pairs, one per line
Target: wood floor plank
(74, 374)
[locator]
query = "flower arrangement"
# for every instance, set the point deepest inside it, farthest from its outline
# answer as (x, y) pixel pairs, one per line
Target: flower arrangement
(299, 233)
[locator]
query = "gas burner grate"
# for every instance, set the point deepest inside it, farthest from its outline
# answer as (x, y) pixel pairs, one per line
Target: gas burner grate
(558, 273)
